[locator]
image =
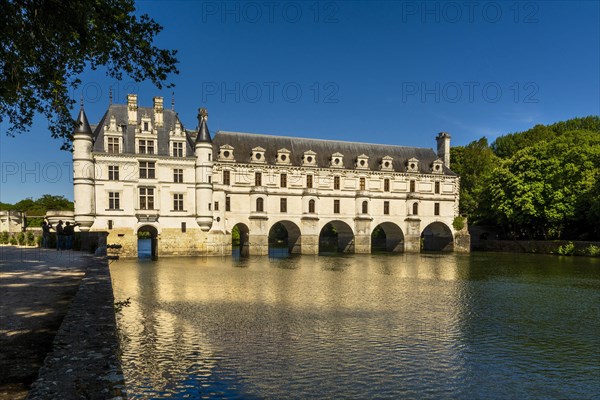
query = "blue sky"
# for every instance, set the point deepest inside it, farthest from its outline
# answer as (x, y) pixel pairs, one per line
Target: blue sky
(395, 72)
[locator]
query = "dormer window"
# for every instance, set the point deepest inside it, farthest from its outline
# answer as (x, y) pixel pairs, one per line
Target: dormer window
(309, 159)
(362, 162)
(387, 164)
(145, 125)
(283, 156)
(226, 153)
(258, 155)
(412, 165)
(337, 160)
(437, 167)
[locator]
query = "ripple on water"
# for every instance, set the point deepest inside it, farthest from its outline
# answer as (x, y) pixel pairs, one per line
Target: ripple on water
(359, 327)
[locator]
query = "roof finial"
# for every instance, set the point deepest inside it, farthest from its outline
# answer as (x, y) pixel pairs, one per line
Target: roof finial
(110, 95)
(173, 101)
(81, 101)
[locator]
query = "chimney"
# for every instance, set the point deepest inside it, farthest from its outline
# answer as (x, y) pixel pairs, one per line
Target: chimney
(443, 147)
(132, 108)
(158, 111)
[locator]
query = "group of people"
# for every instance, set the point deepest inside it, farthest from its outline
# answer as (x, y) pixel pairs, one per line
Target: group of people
(64, 234)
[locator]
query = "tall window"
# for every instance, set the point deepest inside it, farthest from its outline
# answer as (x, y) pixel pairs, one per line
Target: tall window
(309, 181)
(113, 145)
(258, 179)
(147, 170)
(415, 209)
(336, 206)
(437, 187)
(260, 204)
(386, 207)
(178, 175)
(227, 203)
(436, 208)
(365, 207)
(146, 147)
(283, 180)
(412, 186)
(336, 182)
(113, 172)
(386, 185)
(283, 205)
(146, 126)
(178, 202)
(226, 177)
(146, 198)
(216, 206)
(177, 149)
(311, 206)
(114, 201)
(362, 183)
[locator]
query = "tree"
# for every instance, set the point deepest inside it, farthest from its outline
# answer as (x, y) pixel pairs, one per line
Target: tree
(46, 44)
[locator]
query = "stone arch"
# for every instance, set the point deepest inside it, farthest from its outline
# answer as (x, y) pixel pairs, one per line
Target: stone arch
(240, 244)
(336, 236)
(147, 244)
(437, 236)
(387, 236)
(291, 238)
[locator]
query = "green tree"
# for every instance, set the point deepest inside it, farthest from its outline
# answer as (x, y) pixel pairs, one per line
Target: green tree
(46, 44)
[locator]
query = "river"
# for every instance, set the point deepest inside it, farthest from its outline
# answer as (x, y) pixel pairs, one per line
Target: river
(484, 325)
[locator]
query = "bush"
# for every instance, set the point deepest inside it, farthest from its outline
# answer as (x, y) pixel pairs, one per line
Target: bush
(30, 238)
(4, 238)
(13, 240)
(21, 239)
(458, 223)
(566, 250)
(592, 250)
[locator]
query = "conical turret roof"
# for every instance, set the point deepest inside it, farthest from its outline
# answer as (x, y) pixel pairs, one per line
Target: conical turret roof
(203, 132)
(83, 126)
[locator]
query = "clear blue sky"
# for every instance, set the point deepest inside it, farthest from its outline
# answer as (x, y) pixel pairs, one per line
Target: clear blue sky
(385, 72)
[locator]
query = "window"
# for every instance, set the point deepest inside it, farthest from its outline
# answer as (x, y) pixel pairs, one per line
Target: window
(436, 208)
(209, 156)
(146, 147)
(147, 198)
(336, 206)
(309, 181)
(178, 175)
(257, 179)
(363, 183)
(260, 204)
(113, 173)
(386, 207)
(336, 182)
(114, 202)
(209, 178)
(183, 227)
(386, 185)
(145, 126)
(365, 207)
(227, 203)
(311, 206)
(226, 178)
(147, 170)
(437, 187)
(110, 224)
(209, 206)
(216, 206)
(283, 180)
(283, 205)
(415, 209)
(178, 202)
(177, 149)
(113, 145)
(412, 186)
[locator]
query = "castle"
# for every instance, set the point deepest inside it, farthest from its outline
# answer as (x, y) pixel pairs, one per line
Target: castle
(140, 170)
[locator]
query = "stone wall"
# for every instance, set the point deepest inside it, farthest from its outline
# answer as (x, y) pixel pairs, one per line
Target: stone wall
(532, 246)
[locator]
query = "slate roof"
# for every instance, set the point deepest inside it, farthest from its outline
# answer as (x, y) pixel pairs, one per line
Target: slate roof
(243, 143)
(120, 113)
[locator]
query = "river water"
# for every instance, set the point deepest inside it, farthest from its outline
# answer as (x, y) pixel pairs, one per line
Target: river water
(484, 325)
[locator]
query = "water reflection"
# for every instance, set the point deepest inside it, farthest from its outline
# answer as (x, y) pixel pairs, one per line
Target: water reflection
(360, 326)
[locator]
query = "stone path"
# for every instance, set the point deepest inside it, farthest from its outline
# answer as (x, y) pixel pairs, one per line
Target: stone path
(36, 289)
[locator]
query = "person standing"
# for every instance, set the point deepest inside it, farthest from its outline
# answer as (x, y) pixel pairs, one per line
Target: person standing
(69, 231)
(46, 234)
(60, 236)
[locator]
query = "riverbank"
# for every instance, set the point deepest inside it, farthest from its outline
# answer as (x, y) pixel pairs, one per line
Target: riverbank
(557, 247)
(58, 320)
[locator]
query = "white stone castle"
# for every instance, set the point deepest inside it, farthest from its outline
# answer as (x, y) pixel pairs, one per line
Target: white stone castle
(140, 170)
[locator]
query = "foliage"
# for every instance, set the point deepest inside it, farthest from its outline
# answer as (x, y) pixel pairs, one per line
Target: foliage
(458, 223)
(46, 44)
(235, 236)
(566, 250)
(144, 235)
(592, 250)
(13, 240)
(4, 237)
(30, 238)
(21, 239)
(39, 207)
